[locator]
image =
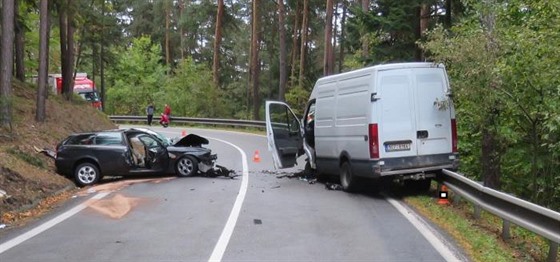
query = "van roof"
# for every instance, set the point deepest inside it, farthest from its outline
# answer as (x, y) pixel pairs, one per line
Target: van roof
(385, 67)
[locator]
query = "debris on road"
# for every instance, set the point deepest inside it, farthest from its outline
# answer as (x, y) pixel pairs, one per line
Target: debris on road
(333, 186)
(2, 226)
(45, 151)
(221, 171)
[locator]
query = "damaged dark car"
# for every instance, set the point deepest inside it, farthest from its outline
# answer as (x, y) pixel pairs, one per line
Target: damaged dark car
(87, 157)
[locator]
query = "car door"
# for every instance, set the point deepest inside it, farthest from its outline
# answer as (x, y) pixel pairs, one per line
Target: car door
(110, 151)
(157, 158)
(284, 134)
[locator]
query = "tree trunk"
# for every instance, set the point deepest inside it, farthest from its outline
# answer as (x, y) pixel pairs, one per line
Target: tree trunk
(304, 29)
(365, 44)
(6, 63)
(282, 33)
(255, 65)
(332, 56)
(217, 43)
(447, 21)
(181, 34)
(424, 19)
(167, 46)
(20, 44)
(295, 47)
(342, 36)
(491, 150)
(490, 157)
(40, 113)
(63, 31)
(101, 59)
(327, 67)
(68, 73)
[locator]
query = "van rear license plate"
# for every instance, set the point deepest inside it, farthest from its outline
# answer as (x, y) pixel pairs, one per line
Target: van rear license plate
(397, 147)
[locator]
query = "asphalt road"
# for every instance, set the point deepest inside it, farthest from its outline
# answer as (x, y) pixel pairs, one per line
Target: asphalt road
(254, 217)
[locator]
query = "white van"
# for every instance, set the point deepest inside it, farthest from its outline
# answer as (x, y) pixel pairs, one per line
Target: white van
(392, 120)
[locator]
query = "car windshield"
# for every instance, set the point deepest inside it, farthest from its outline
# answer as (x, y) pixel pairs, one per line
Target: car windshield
(164, 140)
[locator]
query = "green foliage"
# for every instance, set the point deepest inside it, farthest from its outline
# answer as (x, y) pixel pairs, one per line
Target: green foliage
(297, 98)
(517, 83)
(31, 159)
(136, 78)
(389, 28)
(191, 92)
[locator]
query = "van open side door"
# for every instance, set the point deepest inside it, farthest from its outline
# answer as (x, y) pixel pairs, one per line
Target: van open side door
(284, 134)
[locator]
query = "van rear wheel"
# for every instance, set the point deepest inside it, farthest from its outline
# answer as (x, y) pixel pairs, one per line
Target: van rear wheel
(347, 179)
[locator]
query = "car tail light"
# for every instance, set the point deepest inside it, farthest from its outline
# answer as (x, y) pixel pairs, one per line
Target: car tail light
(373, 141)
(454, 135)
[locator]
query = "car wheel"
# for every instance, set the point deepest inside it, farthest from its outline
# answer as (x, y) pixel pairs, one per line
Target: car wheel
(86, 174)
(186, 166)
(347, 179)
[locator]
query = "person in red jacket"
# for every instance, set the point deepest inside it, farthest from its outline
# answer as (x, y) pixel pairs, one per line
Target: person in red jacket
(167, 110)
(164, 120)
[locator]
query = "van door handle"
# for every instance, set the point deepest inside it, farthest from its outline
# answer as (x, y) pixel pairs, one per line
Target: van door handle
(421, 134)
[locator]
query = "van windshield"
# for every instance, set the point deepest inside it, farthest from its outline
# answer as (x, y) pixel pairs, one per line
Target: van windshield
(90, 96)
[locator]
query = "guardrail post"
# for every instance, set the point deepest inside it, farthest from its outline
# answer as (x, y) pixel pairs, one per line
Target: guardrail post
(553, 251)
(477, 212)
(456, 199)
(505, 229)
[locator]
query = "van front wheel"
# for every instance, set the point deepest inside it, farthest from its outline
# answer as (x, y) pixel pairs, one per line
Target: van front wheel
(347, 179)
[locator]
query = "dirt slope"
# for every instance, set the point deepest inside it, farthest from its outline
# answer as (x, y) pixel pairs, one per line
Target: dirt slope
(28, 181)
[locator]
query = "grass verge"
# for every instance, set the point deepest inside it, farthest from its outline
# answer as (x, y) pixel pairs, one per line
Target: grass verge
(480, 238)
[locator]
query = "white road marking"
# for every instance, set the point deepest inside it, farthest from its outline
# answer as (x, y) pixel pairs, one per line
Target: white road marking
(430, 234)
(51, 223)
(223, 242)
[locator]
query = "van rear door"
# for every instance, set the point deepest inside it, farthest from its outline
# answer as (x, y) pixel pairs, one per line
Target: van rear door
(284, 134)
(433, 111)
(414, 112)
(395, 113)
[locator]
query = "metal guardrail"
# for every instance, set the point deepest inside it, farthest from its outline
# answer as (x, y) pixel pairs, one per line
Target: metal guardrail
(194, 120)
(535, 218)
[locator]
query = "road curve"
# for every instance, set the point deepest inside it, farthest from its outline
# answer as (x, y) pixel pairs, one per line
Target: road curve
(216, 219)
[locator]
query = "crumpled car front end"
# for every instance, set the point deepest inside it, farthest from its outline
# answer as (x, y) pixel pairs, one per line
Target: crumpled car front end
(207, 162)
(192, 145)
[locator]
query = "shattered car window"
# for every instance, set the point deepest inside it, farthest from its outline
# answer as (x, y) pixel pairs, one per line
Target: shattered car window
(109, 138)
(148, 141)
(83, 139)
(164, 140)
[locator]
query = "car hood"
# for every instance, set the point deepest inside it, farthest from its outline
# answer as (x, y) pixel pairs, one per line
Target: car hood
(191, 140)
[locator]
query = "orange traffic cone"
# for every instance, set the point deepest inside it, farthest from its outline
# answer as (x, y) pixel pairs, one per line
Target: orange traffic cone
(443, 195)
(256, 157)
(183, 133)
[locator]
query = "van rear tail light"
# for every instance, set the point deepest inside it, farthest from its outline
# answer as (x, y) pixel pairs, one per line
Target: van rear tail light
(454, 135)
(373, 141)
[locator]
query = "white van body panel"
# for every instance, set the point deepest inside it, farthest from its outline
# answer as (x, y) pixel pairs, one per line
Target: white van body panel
(401, 100)
(409, 105)
(341, 121)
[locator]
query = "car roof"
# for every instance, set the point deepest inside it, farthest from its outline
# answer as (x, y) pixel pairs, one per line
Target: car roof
(122, 130)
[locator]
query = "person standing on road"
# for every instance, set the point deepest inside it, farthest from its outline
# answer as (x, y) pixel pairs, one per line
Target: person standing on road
(150, 112)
